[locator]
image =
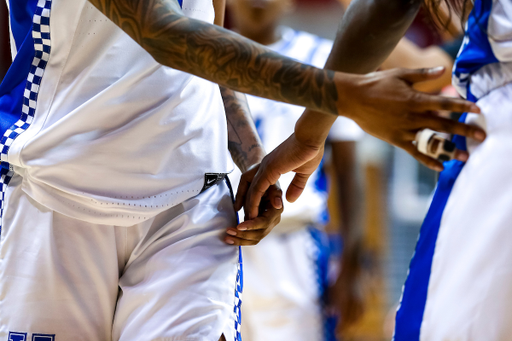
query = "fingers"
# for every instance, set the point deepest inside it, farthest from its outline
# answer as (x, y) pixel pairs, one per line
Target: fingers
(421, 75)
(425, 102)
(256, 192)
(251, 232)
(239, 241)
(445, 125)
(461, 155)
(275, 196)
(424, 159)
(258, 188)
(241, 193)
(252, 237)
(297, 187)
(243, 187)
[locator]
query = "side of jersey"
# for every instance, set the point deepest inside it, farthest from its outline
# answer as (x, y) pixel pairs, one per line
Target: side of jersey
(97, 128)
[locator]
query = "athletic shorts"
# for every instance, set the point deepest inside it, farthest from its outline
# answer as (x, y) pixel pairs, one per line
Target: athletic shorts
(169, 278)
(460, 280)
(286, 277)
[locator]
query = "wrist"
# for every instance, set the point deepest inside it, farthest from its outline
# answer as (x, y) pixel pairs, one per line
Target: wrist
(254, 157)
(313, 127)
(346, 84)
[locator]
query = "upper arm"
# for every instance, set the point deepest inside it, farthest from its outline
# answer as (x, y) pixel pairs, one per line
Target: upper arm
(141, 18)
(5, 56)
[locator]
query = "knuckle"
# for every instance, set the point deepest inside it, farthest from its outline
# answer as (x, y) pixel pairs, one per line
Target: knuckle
(423, 71)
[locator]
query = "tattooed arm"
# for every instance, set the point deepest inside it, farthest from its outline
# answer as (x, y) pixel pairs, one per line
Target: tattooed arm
(219, 55)
(243, 142)
(246, 149)
(387, 103)
(230, 60)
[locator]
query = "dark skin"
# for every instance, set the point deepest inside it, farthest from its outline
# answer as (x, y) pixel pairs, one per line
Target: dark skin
(260, 21)
(247, 151)
(346, 294)
(368, 33)
(384, 104)
(218, 55)
(232, 61)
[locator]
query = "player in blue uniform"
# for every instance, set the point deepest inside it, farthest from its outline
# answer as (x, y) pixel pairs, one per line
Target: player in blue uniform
(458, 287)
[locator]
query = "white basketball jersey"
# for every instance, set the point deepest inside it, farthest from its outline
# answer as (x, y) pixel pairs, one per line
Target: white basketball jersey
(97, 128)
(275, 122)
(485, 59)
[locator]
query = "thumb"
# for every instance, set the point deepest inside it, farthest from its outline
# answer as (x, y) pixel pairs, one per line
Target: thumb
(422, 75)
(297, 187)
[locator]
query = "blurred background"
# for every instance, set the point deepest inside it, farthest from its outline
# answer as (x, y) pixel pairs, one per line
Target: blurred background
(397, 189)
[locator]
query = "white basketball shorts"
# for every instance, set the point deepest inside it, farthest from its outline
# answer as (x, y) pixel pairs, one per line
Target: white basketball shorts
(459, 285)
(168, 278)
(285, 281)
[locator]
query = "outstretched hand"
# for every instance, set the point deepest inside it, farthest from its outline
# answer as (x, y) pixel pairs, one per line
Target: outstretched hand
(385, 105)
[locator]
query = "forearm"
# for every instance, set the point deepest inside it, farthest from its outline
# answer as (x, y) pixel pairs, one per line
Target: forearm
(219, 55)
(243, 141)
(349, 196)
(367, 34)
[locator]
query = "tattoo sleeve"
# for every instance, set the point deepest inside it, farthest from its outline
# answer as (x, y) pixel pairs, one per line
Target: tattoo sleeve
(219, 55)
(243, 141)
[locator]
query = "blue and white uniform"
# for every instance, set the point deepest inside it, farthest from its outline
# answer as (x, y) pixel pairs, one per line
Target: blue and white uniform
(459, 285)
(286, 273)
(106, 233)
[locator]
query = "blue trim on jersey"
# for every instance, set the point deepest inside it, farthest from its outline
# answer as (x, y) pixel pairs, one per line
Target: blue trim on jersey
(239, 286)
(259, 127)
(13, 85)
(181, 3)
(477, 51)
(414, 297)
(321, 260)
(19, 100)
(322, 186)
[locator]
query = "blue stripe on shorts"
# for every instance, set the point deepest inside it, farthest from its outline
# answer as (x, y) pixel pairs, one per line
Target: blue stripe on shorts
(414, 297)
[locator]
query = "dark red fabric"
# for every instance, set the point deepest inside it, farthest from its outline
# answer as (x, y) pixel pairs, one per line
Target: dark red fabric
(5, 53)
